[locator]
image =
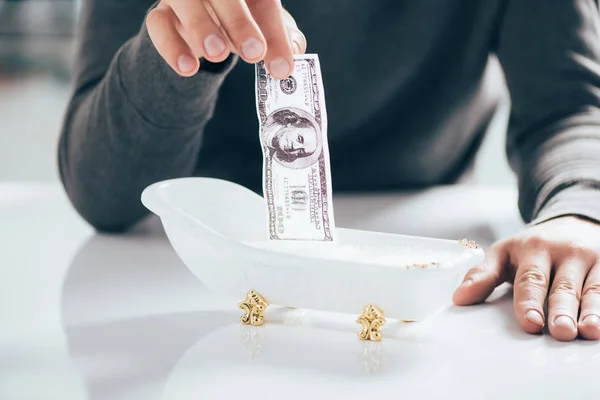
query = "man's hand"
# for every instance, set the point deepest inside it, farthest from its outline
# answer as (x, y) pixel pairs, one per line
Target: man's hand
(183, 31)
(558, 260)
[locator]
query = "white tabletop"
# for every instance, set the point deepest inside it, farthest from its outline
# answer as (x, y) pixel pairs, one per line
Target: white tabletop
(86, 316)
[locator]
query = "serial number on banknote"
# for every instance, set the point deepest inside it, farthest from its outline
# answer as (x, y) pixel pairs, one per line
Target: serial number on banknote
(296, 167)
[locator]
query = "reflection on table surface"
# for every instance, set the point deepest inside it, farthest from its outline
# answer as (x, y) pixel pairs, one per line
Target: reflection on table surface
(139, 325)
(135, 323)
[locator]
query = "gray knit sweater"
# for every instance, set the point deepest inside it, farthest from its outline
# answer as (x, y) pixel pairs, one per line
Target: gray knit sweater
(406, 98)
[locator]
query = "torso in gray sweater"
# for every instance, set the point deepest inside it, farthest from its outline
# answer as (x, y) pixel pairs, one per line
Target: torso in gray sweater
(406, 98)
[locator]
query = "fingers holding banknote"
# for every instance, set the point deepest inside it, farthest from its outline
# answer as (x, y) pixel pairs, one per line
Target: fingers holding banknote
(185, 31)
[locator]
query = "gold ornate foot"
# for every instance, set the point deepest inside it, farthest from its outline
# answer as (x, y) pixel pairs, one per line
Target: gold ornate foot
(468, 243)
(372, 319)
(254, 308)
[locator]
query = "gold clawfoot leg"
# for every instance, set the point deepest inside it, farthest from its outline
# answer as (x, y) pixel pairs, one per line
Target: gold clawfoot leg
(372, 319)
(254, 307)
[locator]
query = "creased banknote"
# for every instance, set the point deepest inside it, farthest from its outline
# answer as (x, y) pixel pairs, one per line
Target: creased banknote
(293, 135)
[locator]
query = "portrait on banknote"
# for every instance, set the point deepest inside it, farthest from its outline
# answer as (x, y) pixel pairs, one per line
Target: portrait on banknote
(293, 137)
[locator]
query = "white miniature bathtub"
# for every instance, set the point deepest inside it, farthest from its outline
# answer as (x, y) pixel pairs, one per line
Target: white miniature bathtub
(219, 230)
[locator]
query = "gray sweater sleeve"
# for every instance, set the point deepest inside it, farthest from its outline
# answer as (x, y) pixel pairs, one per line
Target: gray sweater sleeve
(131, 120)
(550, 52)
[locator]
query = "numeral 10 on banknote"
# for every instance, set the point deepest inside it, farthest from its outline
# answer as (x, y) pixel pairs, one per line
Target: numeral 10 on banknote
(293, 136)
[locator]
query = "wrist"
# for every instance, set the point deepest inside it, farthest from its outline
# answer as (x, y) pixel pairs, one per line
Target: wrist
(579, 201)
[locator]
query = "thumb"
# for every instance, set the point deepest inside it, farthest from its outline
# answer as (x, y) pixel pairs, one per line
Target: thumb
(481, 281)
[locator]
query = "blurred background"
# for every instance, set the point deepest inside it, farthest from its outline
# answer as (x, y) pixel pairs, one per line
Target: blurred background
(37, 39)
(36, 51)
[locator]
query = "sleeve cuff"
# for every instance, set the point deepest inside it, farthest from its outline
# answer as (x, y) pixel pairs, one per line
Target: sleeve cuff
(580, 200)
(159, 94)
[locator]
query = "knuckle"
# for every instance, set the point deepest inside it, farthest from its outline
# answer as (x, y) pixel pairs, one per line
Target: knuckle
(498, 246)
(581, 252)
(565, 287)
(535, 242)
(196, 22)
(153, 15)
(592, 289)
(533, 276)
(238, 25)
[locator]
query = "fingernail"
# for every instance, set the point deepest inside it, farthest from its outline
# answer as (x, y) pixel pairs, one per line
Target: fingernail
(252, 48)
(467, 283)
(279, 67)
(591, 319)
(534, 317)
(296, 48)
(186, 63)
(565, 322)
(214, 45)
(297, 37)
